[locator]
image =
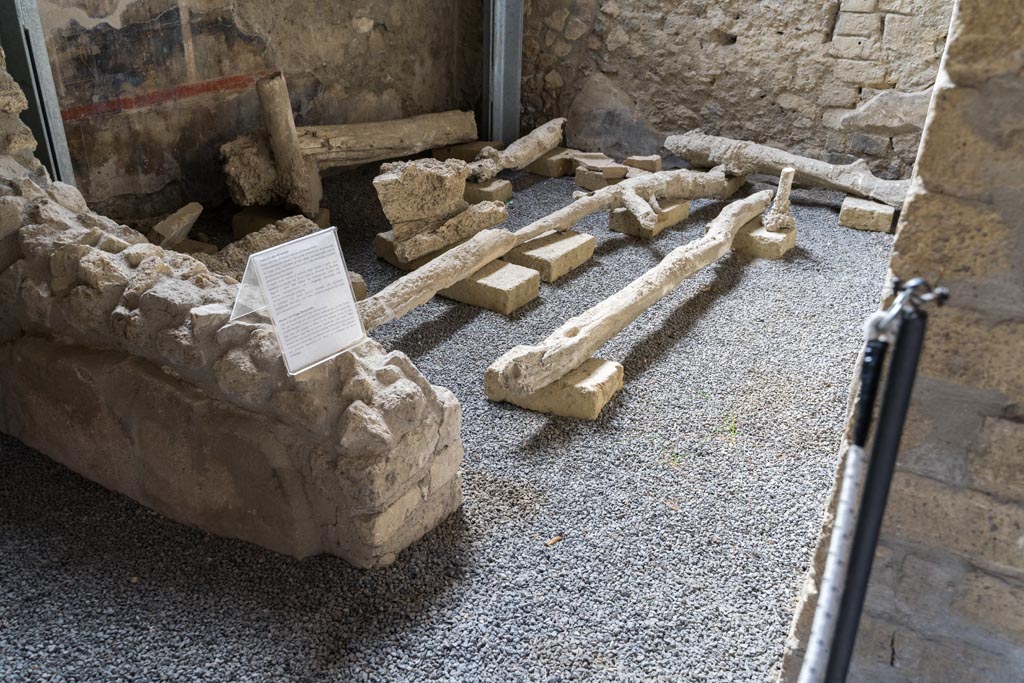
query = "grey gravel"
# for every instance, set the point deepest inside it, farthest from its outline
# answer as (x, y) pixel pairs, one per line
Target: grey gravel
(688, 511)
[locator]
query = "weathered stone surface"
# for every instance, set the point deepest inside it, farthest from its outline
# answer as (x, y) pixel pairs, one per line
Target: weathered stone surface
(890, 112)
(252, 218)
(493, 190)
(554, 255)
(421, 194)
(466, 151)
(580, 394)
(651, 162)
(525, 369)
(864, 214)
(761, 72)
(456, 229)
(591, 180)
(555, 164)
(672, 213)
(605, 165)
(384, 245)
(756, 241)
(499, 286)
(231, 260)
(520, 153)
(187, 246)
(779, 215)
(175, 227)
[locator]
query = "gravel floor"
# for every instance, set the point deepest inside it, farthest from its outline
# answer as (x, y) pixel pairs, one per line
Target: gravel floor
(688, 511)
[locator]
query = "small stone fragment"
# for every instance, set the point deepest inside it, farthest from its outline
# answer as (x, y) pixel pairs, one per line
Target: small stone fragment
(175, 227)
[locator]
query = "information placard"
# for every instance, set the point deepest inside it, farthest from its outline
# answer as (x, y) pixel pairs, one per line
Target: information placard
(304, 283)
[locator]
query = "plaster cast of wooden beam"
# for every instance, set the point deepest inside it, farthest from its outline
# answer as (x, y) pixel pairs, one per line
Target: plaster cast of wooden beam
(740, 158)
(519, 154)
(526, 369)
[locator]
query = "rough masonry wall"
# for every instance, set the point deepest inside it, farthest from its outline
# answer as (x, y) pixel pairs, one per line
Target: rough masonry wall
(149, 89)
(946, 601)
(834, 80)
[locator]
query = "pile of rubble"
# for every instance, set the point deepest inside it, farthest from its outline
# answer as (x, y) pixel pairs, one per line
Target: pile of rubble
(119, 361)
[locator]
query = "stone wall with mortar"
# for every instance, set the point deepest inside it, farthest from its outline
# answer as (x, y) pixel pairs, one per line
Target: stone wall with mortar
(834, 80)
(946, 600)
(149, 89)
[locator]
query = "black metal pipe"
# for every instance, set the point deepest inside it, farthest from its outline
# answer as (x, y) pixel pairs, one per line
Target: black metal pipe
(870, 374)
(892, 415)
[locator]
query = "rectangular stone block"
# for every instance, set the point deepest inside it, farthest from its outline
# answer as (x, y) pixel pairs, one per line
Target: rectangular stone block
(557, 163)
(592, 180)
(864, 214)
(466, 151)
(755, 241)
(858, 5)
(856, 24)
(854, 47)
(860, 72)
(495, 190)
(969, 523)
(997, 463)
(499, 286)
(580, 394)
(605, 165)
(650, 163)
(994, 604)
(555, 254)
(673, 213)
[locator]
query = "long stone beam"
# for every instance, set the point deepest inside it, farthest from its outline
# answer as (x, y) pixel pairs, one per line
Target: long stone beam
(524, 370)
(419, 286)
(741, 158)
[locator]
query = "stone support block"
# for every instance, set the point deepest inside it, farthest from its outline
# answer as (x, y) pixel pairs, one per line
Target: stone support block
(499, 286)
(672, 213)
(580, 394)
(864, 214)
(494, 190)
(754, 240)
(592, 180)
(555, 254)
(650, 163)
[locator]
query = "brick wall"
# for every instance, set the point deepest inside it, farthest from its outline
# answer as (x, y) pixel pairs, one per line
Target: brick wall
(946, 600)
(835, 80)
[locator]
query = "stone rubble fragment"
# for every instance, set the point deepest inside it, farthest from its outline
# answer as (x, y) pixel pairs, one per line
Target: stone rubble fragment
(779, 215)
(460, 227)
(863, 214)
(173, 229)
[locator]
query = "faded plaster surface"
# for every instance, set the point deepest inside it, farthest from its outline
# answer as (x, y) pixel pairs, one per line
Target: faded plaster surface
(150, 89)
(803, 74)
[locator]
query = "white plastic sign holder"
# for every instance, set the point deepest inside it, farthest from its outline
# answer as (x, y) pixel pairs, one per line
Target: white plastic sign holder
(304, 286)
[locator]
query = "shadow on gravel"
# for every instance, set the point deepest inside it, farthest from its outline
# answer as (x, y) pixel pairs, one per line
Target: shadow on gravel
(71, 545)
(728, 274)
(424, 338)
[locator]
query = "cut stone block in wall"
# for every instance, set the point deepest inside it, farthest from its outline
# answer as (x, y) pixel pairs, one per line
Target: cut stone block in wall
(495, 190)
(499, 286)
(581, 394)
(754, 240)
(555, 254)
(672, 213)
(864, 214)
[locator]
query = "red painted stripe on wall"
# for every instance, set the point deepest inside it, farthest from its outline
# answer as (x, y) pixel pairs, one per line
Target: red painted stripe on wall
(177, 92)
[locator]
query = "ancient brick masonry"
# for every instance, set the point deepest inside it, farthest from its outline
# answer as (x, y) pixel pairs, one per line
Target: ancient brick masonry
(118, 360)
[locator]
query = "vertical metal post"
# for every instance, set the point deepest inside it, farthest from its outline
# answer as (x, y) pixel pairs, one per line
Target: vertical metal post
(503, 61)
(21, 35)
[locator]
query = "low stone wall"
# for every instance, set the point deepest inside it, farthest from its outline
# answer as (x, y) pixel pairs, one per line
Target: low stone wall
(117, 358)
(833, 80)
